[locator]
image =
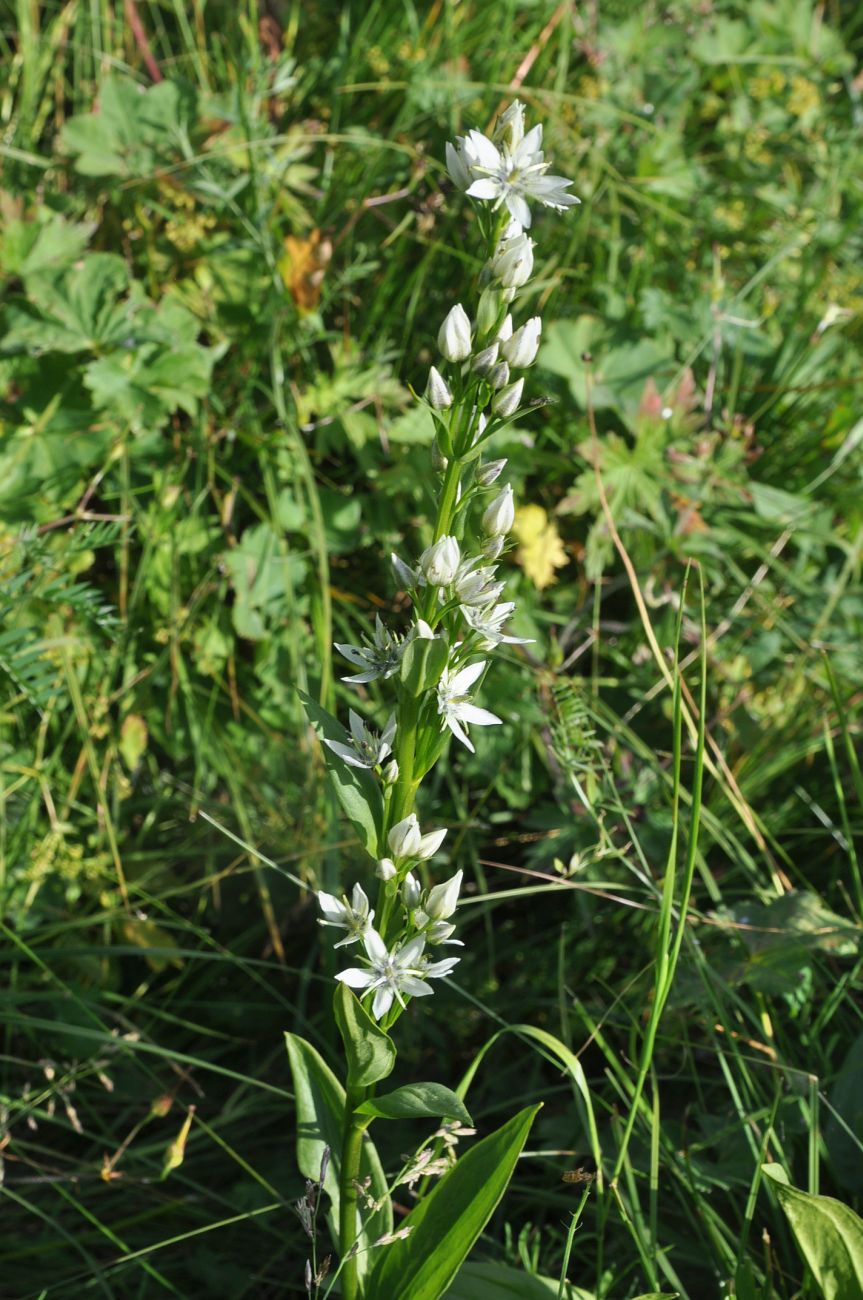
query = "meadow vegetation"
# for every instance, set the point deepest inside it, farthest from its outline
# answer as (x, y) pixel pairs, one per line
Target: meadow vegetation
(228, 242)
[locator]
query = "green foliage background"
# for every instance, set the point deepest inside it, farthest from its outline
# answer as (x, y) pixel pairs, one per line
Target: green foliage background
(226, 250)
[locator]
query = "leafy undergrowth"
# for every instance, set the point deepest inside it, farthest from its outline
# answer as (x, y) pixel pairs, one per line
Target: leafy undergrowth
(227, 244)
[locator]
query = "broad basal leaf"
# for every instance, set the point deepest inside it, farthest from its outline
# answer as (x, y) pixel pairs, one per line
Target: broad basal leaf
(828, 1234)
(448, 1221)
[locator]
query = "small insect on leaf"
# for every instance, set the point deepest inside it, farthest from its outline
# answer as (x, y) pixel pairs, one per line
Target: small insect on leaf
(584, 1173)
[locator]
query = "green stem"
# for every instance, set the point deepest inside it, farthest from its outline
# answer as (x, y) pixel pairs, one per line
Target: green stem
(352, 1146)
(448, 499)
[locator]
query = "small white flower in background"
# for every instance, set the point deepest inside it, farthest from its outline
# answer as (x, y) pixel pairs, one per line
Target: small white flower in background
(454, 335)
(406, 840)
(455, 707)
(442, 900)
(499, 517)
(489, 621)
(511, 174)
(353, 916)
(440, 562)
(512, 264)
(521, 348)
(439, 932)
(391, 974)
(380, 657)
(506, 401)
(411, 891)
(367, 748)
(437, 392)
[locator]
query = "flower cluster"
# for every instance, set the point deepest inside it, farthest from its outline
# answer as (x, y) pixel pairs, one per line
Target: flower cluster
(459, 618)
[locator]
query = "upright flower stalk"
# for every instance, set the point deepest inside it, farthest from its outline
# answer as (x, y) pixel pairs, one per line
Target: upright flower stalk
(434, 670)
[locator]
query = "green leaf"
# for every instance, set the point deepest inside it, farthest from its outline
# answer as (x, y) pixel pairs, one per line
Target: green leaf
(320, 1103)
(493, 1281)
(417, 1100)
(132, 129)
(370, 1052)
(448, 1221)
(829, 1236)
(355, 787)
(80, 310)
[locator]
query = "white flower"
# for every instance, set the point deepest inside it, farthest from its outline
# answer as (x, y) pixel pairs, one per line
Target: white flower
(454, 706)
(353, 916)
(509, 175)
(407, 841)
(499, 516)
(411, 891)
(440, 562)
(512, 264)
(367, 748)
(489, 621)
(506, 402)
(380, 657)
(521, 349)
(390, 974)
(442, 900)
(439, 931)
(437, 392)
(474, 586)
(454, 335)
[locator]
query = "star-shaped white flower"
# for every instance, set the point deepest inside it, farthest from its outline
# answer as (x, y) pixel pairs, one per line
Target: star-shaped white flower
(379, 657)
(392, 974)
(366, 748)
(353, 916)
(510, 172)
(455, 707)
(488, 621)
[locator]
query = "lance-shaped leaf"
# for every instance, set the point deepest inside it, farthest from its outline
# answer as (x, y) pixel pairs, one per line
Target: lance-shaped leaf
(356, 789)
(448, 1221)
(828, 1234)
(370, 1052)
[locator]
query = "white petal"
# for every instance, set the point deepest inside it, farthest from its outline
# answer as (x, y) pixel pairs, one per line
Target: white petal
(332, 908)
(518, 208)
(483, 150)
(417, 988)
(375, 946)
(459, 734)
(389, 730)
(410, 954)
(370, 676)
(429, 844)
(353, 653)
(382, 1003)
(358, 727)
(359, 901)
(356, 978)
(347, 754)
(480, 717)
(464, 679)
(438, 969)
(484, 188)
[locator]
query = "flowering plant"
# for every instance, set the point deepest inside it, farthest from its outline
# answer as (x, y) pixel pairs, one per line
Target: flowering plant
(434, 671)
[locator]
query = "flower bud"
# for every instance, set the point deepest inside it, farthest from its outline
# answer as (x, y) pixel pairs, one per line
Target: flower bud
(439, 932)
(403, 571)
(492, 547)
(512, 264)
(404, 839)
(411, 892)
(454, 335)
(499, 517)
(386, 869)
(442, 900)
(391, 772)
(506, 401)
(423, 630)
(437, 392)
(440, 562)
(439, 460)
(505, 331)
(488, 310)
(499, 376)
(521, 349)
(483, 361)
(486, 474)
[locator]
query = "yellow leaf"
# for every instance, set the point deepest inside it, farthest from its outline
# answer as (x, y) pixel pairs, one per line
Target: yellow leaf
(541, 549)
(303, 268)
